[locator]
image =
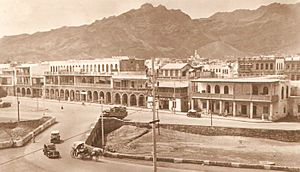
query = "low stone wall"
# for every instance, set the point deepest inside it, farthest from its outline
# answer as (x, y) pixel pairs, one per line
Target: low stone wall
(29, 136)
(281, 135)
(110, 124)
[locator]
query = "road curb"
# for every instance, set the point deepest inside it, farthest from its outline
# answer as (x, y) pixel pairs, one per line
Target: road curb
(202, 162)
(24, 140)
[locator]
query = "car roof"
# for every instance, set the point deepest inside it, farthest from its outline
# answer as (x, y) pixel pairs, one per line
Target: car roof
(55, 132)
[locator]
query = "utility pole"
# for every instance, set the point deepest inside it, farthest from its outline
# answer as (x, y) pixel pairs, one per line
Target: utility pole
(18, 102)
(102, 125)
(154, 116)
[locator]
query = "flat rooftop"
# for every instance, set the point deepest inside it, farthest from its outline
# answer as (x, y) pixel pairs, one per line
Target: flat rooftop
(240, 80)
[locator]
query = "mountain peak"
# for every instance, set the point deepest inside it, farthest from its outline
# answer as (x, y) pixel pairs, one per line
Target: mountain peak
(147, 6)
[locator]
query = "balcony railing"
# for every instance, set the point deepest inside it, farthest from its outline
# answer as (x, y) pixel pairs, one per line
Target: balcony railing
(130, 88)
(236, 97)
(169, 94)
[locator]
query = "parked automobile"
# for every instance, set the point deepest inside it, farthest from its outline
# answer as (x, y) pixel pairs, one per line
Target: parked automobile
(193, 113)
(117, 112)
(55, 137)
(50, 151)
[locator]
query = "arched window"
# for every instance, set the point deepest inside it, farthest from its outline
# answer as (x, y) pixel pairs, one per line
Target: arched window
(265, 90)
(106, 67)
(254, 90)
(287, 92)
(217, 89)
(111, 67)
(226, 90)
(282, 92)
(102, 67)
(208, 88)
(116, 67)
(99, 68)
(257, 66)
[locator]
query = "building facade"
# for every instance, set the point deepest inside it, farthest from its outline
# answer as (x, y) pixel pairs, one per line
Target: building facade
(253, 97)
(292, 68)
(258, 66)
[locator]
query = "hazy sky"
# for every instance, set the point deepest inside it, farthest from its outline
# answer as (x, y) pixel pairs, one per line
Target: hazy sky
(29, 16)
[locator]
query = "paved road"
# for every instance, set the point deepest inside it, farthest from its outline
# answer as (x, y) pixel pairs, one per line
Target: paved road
(73, 120)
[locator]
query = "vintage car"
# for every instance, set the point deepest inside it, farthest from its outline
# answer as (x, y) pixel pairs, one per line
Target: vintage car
(193, 113)
(82, 151)
(55, 137)
(117, 112)
(50, 151)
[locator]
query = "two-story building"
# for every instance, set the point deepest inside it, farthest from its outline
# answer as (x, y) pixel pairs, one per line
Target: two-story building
(95, 80)
(262, 65)
(259, 97)
(292, 68)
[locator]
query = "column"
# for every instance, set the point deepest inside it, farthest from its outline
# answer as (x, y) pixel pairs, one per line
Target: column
(207, 106)
(234, 109)
(192, 104)
(251, 110)
(221, 107)
(271, 112)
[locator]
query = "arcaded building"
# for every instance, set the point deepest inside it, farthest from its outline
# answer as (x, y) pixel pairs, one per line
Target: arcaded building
(259, 97)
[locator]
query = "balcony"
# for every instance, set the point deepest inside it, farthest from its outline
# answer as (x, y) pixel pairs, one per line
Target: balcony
(258, 98)
(130, 89)
(171, 95)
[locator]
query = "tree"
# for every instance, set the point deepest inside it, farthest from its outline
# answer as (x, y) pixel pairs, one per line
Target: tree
(3, 92)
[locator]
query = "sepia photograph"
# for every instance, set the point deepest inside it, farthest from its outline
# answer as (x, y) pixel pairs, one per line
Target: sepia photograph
(149, 85)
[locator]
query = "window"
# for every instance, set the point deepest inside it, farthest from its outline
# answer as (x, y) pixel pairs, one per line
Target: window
(265, 91)
(298, 108)
(116, 67)
(257, 66)
(204, 105)
(99, 68)
(217, 89)
(292, 77)
(265, 109)
(102, 67)
(287, 66)
(226, 90)
(111, 67)
(298, 77)
(271, 66)
(262, 66)
(287, 92)
(254, 90)
(208, 88)
(244, 109)
(106, 67)
(267, 66)
(282, 92)
(95, 68)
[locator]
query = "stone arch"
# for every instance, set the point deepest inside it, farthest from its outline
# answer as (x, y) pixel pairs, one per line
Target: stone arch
(117, 98)
(95, 96)
(83, 95)
(62, 94)
(52, 94)
(101, 94)
(77, 95)
(23, 92)
(72, 95)
(108, 97)
(56, 93)
(67, 95)
(226, 89)
(125, 99)
(133, 101)
(89, 96)
(28, 91)
(141, 100)
(265, 91)
(47, 93)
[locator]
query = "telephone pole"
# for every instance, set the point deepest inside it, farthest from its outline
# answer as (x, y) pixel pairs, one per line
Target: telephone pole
(154, 116)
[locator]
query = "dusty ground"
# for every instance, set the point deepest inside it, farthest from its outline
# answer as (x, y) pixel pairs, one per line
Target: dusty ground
(171, 143)
(12, 130)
